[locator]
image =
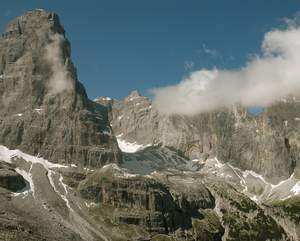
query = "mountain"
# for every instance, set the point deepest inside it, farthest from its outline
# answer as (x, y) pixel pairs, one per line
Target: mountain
(118, 170)
(44, 109)
(267, 143)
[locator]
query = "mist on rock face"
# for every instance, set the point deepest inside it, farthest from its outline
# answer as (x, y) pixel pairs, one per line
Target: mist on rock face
(60, 80)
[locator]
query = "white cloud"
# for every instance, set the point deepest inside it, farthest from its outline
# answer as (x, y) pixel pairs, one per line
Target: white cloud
(60, 79)
(264, 79)
(189, 65)
(211, 52)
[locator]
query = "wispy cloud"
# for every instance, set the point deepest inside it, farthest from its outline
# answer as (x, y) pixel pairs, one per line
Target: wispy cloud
(211, 52)
(60, 79)
(189, 65)
(264, 79)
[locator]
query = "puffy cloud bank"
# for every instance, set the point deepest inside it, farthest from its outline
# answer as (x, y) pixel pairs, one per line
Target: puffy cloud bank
(271, 76)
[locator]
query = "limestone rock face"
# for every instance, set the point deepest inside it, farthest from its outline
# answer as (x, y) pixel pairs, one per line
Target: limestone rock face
(44, 109)
(267, 143)
(145, 201)
(178, 206)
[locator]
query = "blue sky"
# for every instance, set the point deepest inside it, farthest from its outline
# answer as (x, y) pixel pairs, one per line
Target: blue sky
(121, 45)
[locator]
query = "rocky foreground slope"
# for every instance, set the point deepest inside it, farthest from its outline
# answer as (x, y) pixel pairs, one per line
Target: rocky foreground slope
(226, 175)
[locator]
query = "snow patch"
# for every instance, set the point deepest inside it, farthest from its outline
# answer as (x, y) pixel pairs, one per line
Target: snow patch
(51, 180)
(88, 169)
(39, 110)
(61, 179)
(296, 189)
(129, 147)
(254, 198)
(103, 98)
(8, 155)
(218, 163)
(254, 174)
(91, 204)
(248, 178)
(63, 196)
(106, 133)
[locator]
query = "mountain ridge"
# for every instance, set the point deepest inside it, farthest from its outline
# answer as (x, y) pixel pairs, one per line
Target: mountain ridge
(262, 142)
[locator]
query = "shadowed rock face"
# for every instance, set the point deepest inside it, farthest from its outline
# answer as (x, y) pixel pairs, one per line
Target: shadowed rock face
(9, 178)
(267, 143)
(44, 109)
(146, 202)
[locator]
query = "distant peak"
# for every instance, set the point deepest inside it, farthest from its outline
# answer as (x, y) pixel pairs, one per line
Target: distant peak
(135, 93)
(102, 98)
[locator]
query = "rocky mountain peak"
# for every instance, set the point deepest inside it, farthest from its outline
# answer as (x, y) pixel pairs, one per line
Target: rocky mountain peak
(44, 109)
(32, 21)
(35, 64)
(134, 94)
(104, 100)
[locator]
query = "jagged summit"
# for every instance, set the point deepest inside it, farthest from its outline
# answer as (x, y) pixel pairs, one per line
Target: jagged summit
(103, 100)
(33, 20)
(44, 109)
(35, 54)
(134, 94)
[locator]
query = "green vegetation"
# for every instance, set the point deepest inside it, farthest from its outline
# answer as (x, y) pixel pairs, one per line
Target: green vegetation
(162, 237)
(290, 208)
(260, 227)
(208, 228)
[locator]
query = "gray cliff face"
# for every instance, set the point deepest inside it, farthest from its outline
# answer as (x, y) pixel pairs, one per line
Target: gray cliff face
(267, 143)
(177, 206)
(44, 109)
(145, 202)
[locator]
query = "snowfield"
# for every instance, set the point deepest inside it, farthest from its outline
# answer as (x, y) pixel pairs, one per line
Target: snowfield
(129, 147)
(245, 180)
